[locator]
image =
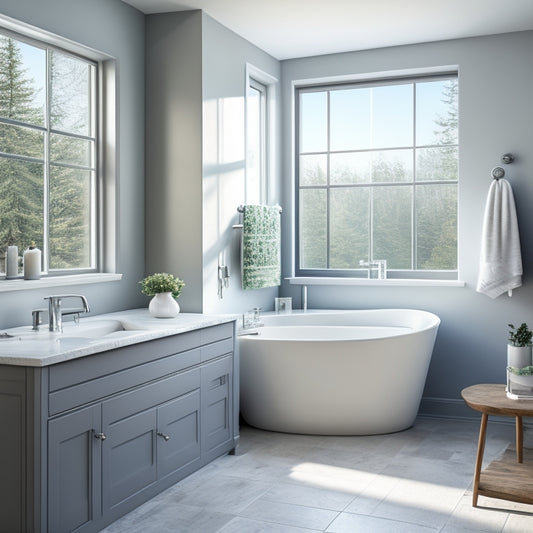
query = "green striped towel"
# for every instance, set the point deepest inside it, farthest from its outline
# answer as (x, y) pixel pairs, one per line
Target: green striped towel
(261, 243)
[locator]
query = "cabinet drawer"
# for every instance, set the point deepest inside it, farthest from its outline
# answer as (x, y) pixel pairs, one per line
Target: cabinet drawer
(216, 333)
(95, 389)
(216, 349)
(94, 366)
(148, 396)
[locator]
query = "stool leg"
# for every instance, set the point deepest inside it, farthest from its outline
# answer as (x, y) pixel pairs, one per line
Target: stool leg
(519, 439)
(479, 458)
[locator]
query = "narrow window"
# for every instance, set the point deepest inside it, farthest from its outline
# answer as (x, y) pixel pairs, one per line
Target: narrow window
(256, 142)
(377, 178)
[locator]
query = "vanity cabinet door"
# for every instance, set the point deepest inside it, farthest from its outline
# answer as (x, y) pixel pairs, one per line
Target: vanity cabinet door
(74, 466)
(217, 419)
(178, 433)
(128, 457)
(13, 444)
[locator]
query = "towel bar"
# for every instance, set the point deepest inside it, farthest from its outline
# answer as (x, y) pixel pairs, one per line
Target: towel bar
(240, 209)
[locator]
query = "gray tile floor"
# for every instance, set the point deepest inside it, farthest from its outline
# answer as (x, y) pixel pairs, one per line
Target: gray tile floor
(419, 480)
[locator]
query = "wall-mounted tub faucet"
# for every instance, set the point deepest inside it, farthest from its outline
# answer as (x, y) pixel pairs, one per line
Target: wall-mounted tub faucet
(377, 268)
(304, 297)
(252, 319)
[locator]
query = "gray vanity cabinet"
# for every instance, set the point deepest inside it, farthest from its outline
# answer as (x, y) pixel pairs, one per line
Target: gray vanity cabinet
(104, 433)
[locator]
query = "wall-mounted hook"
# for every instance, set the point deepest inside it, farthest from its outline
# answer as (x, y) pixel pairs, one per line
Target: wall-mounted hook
(507, 158)
(497, 173)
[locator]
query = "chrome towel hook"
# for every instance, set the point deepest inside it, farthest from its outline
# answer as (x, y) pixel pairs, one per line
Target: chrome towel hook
(498, 172)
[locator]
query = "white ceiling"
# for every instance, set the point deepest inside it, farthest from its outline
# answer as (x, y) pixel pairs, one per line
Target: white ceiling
(298, 28)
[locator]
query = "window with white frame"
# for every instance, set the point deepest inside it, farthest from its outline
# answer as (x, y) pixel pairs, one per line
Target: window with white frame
(256, 141)
(377, 178)
(49, 154)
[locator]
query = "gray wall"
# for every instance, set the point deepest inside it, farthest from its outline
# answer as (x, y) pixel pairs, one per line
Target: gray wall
(116, 29)
(224, 60)
(174, 150)
(496, 116)
(195, 155)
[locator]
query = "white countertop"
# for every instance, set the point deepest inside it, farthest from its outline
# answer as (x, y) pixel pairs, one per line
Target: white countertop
(95, 334)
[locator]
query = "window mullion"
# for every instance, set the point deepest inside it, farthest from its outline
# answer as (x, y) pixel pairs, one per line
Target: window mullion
(328, 183)
(46, 192)
(414, 234)
(371, 224)
(95, 193)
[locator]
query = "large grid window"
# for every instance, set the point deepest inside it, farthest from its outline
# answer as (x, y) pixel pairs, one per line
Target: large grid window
(377, 178)
(48, 154)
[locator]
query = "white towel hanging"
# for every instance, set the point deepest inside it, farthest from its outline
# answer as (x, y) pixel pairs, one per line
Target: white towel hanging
(500, 264)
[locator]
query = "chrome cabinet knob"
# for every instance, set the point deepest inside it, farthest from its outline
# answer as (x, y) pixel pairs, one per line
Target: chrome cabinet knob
(100, 436)
(160, 434)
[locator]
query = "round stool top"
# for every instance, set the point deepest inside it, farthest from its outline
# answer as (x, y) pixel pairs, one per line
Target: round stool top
(491, 399)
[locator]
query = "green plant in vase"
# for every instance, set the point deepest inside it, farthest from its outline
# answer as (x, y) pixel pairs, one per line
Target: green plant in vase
(164, 288)
(519, 347)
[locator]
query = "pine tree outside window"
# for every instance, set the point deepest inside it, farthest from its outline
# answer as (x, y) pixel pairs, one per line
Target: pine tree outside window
(377, 177)
(48, 154)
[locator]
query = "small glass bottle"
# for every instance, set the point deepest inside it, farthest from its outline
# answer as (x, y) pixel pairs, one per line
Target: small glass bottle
(12, 259)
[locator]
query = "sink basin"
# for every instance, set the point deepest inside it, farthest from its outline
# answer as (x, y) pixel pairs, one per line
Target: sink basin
(85, 329)
(94, 329)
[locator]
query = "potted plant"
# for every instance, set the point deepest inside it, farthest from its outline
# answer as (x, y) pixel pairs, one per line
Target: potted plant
(519, 347)
(164, 288)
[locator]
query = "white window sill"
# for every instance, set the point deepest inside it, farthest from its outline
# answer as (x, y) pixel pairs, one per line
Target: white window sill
(378, 282)
(8, 285)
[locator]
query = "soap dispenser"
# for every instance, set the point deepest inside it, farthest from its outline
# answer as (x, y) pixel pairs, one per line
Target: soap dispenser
(32, 262)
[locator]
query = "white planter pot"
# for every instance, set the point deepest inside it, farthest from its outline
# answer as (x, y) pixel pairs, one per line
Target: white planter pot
(163, 305)
(518, 356)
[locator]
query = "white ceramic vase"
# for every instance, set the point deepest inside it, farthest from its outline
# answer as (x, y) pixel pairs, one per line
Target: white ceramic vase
(163, 305)
(518, 356)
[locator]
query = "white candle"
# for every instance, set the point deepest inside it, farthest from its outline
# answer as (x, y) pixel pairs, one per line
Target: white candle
(12, 257)
(32, 262)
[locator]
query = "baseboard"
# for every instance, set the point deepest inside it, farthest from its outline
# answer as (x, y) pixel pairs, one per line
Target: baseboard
(453, 408)
(446, 408)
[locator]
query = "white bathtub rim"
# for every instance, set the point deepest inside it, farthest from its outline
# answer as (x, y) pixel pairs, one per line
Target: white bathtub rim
(265, 333)
(254, 334)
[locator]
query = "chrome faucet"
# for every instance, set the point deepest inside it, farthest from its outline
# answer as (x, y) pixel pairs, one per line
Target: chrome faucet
(252, 319)
(56, 313)
(377, 268)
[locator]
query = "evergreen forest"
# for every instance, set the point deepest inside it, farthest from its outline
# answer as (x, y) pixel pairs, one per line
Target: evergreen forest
(47, 178)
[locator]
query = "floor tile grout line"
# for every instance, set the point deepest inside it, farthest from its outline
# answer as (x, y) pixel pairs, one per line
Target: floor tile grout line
(393, 520)
(270, 521)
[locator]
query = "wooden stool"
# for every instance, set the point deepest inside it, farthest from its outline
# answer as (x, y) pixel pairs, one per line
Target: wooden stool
(502, 479)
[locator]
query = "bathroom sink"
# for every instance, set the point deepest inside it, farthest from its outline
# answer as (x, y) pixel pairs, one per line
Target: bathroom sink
(85, 329)
(95, 329)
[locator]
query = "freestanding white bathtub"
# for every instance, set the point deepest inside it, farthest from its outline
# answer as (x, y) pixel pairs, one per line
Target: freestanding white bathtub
(336, 372)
